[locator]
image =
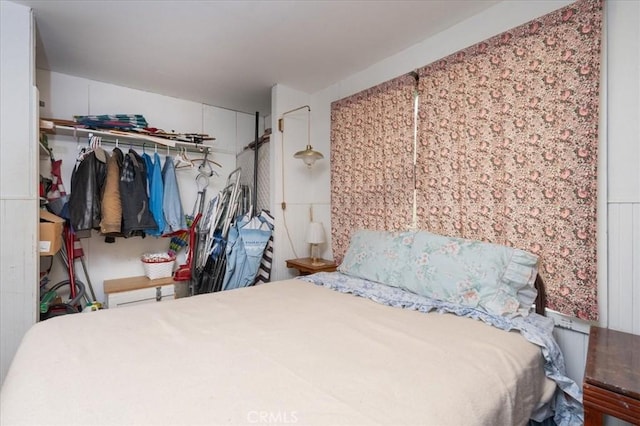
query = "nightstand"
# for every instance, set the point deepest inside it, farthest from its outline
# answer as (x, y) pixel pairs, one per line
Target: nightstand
(305, 267)
(612, 377)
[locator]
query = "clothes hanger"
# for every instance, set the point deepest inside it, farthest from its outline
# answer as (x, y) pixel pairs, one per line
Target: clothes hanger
(215, 163)
(205, 166)
(177, 160)
(182, 161)
(202, 182)
(100, 153)
(83, 150)
(185, 157)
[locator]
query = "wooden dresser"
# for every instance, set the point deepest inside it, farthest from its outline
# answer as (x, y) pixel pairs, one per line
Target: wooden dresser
(612, 377)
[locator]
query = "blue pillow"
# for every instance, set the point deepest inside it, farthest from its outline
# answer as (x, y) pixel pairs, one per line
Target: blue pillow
(379, 256)
(492, 277)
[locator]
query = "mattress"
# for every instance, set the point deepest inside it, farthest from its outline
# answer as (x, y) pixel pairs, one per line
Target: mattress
(283, 352)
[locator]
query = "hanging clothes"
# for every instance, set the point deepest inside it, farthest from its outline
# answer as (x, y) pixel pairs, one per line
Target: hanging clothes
(57, 195)
(171, 202)
(155, 192)
(111, 223)
(264, 271)
(246, 243)
(87, 183)
(136, 217)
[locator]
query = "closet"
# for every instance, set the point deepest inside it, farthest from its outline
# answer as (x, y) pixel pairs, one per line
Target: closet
(63, 96)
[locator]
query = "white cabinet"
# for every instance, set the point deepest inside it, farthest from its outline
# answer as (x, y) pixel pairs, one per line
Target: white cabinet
(138, 290)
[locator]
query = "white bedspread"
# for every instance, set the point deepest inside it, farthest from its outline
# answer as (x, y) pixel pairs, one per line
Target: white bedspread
(288, 352)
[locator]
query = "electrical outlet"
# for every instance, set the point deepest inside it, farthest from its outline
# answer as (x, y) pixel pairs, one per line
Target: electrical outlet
(570, 323)
(564, 322)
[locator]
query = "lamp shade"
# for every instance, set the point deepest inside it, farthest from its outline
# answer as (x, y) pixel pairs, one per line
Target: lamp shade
(309, 156)
(315, 233)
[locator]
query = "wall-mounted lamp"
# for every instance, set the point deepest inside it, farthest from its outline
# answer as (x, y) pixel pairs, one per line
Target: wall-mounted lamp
(308, 155)
(315, 236)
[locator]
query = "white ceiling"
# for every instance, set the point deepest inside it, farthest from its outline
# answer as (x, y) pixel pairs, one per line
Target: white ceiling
(230, 53)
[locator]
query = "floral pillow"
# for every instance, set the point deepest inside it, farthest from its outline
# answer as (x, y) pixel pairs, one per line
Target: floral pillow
(378, 256)
(495, 278)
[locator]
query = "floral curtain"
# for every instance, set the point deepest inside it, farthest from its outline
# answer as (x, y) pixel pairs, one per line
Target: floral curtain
(372, 160)
(507, 150)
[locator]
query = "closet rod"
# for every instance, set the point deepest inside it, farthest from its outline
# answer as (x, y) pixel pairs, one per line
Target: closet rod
(129, 139)
(126, 143)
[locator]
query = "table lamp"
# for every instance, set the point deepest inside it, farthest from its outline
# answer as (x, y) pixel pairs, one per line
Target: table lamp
(315, 236)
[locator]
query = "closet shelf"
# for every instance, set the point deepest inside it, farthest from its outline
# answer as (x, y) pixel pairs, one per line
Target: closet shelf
(129, 138)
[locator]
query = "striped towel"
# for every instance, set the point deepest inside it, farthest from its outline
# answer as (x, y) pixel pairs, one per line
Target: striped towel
(264, 271)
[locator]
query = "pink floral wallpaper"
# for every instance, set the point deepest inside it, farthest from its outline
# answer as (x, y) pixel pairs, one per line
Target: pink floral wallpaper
(372, 161)
(507, 150)
(508, 138)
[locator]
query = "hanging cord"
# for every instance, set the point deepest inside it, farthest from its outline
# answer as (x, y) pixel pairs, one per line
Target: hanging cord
(414, 209)
(284, 204)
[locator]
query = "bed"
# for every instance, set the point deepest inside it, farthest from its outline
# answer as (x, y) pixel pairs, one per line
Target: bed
(328, 349)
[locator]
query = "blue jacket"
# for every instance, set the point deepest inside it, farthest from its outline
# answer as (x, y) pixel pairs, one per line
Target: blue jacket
(171, 202)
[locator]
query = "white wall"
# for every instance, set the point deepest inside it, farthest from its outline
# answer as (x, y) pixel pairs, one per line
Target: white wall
(65, 96)
(621, 292)
(18, 173)
(296, 191)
